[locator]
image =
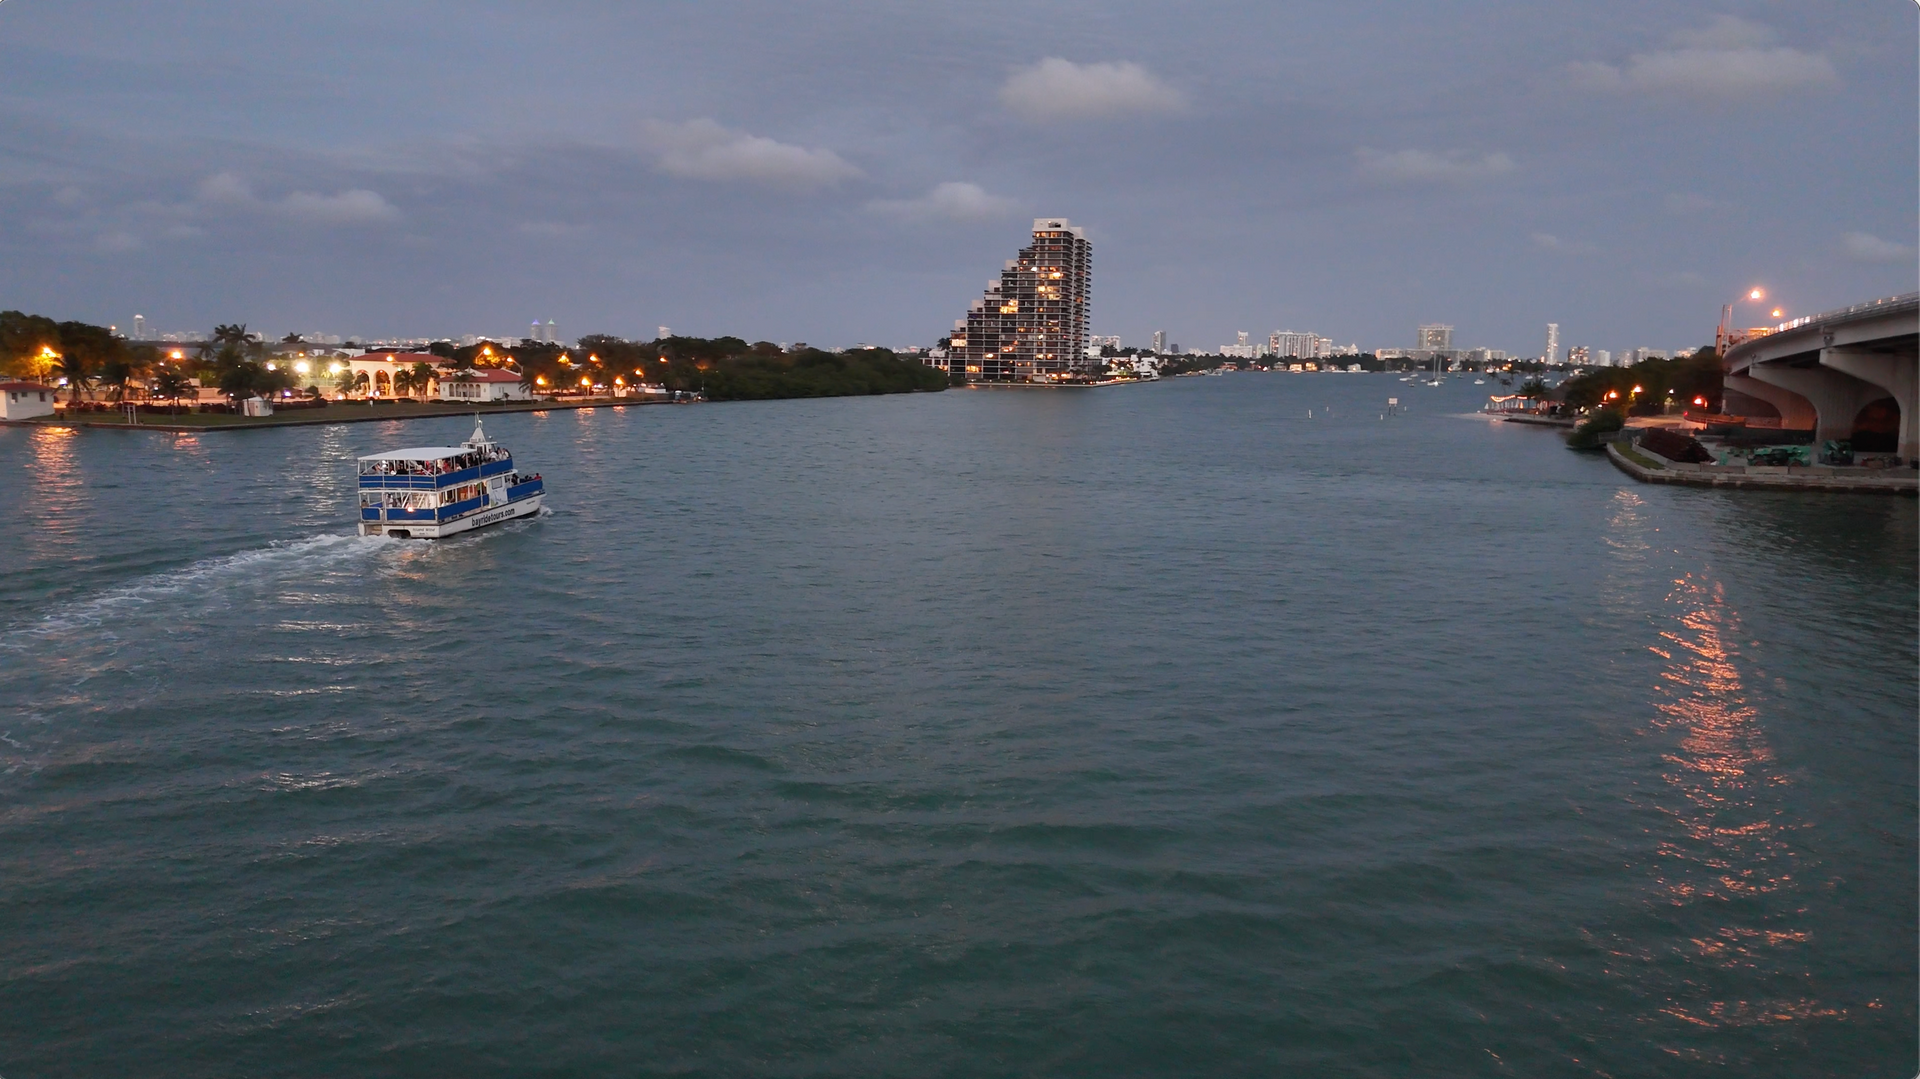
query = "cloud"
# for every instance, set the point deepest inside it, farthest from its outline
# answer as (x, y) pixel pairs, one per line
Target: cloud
(951, 201)
(116, 242)
(1866, 247)
(704, 150)
(226, 189)
(357, 206)
(1056, 89)
(1547, 241)
(1728, 58)
(1427, 167)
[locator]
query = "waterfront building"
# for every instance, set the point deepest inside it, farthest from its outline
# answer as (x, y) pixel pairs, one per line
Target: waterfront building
(25, 400)
(1553, 344)
(1434, 337)
(1577, 355)
(1031, 324)
(483, 384)
(1159, 342)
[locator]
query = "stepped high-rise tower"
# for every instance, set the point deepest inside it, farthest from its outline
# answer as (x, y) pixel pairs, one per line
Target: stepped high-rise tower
(1031, 325)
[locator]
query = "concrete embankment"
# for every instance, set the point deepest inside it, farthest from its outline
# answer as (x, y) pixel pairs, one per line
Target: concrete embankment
(1649, 467)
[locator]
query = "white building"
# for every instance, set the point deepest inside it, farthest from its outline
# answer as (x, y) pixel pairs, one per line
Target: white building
(1303, 346)
(484, 384)
(1553, 344)
(25, 400)
(1602, 358)
(1159, 342)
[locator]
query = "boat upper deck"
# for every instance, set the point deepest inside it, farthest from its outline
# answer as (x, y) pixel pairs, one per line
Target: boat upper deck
(428, 467)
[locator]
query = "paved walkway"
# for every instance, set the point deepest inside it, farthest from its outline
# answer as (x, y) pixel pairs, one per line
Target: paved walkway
(1649, 467)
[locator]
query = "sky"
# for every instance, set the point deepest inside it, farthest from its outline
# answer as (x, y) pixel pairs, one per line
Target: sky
(858, 171)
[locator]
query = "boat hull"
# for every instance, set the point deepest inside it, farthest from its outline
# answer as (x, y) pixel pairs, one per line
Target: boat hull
(492, 515)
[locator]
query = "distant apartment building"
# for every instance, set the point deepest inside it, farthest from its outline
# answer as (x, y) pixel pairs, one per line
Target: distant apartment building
(139, 327)
(1299, 346)
(1553, 344)
(1577, 355)
(1031, 325)
(1434, 337)
(1602, 358)
(1159, 342)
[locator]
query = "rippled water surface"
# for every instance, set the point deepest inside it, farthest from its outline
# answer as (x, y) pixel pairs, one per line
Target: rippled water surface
(1160, 730)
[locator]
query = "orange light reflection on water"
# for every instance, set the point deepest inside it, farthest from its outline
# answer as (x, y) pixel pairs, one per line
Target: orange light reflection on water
(1731, 844)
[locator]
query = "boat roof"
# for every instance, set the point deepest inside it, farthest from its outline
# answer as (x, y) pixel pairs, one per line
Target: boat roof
(419, 453)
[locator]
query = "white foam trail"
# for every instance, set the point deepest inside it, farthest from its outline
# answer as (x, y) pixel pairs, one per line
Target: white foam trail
(200, 578)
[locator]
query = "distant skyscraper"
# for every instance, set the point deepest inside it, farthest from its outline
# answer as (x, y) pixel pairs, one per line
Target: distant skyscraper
(1553, 343)
(1159, 342)
(1299, 346)
(1577, 355)
(139, 327)
(1433, 335)
(1602, 358)
(1032, 323)
(553, 333)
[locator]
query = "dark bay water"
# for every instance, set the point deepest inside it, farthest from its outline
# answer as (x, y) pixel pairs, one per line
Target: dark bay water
(1150, 731)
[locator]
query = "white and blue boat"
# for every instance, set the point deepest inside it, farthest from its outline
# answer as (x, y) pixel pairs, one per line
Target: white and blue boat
(433, 491)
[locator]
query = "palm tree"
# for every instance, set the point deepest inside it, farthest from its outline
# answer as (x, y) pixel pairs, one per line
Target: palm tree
(235, 334)
(172, 385)
(422, 377)
(74, 368)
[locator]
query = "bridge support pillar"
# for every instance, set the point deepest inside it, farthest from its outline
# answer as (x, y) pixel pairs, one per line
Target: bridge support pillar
(1796, 412)
(1836, 397)
(1897, 376)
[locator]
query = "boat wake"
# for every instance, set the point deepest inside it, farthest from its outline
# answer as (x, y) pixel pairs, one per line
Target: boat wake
(201, 580)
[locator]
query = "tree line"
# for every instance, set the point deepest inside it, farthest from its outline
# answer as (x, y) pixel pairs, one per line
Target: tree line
(94, 362)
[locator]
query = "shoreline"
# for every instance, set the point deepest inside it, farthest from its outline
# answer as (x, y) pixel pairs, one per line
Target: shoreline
(338, 413)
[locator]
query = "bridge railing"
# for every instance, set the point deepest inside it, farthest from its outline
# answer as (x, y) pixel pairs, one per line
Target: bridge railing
(1881, 306)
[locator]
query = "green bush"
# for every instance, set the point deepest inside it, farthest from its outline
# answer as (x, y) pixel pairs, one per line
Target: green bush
(1592, 432)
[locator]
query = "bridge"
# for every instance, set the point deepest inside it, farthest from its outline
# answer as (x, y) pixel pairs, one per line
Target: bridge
(1848, 374)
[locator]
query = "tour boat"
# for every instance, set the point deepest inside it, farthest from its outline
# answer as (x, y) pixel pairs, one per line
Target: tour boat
(434, 491)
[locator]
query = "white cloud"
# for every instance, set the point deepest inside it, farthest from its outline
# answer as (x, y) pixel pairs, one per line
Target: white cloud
(1056, 89)
(704, 150)
(1725, 32)
(1867, 247)
(356, 207)
(353, 207)
(1728, 58)
(952, 201)
(1427, 167)
(116, 242)
(226, 189)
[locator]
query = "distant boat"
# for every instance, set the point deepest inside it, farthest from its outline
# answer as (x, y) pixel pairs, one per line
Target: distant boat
(1479, 381)
(432, 491)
